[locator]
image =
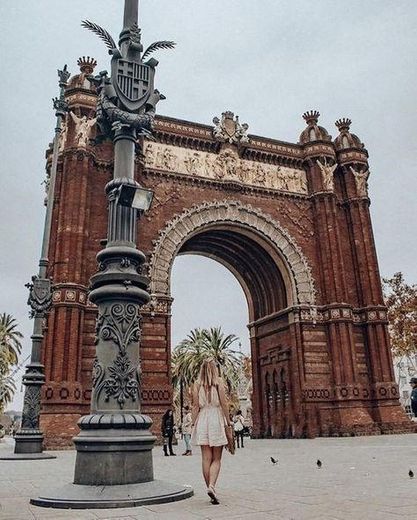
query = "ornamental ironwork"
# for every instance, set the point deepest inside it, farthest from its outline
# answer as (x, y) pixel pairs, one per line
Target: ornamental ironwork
(31, 407)
(120, 323)
(40, 295)
(123, 382)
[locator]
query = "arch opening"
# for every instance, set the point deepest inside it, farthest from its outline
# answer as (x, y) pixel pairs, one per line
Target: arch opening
(276, 280)
(254, 267)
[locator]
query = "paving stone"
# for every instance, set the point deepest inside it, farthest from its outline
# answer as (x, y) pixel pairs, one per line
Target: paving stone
(362, 478)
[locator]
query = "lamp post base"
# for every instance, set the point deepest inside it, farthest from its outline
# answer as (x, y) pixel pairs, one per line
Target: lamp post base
(28, 446)
(76, 496)
(114, 449)
(27, 456)
(113, 467)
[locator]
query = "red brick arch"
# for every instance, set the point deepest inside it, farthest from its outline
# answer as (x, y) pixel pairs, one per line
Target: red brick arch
(294, 266)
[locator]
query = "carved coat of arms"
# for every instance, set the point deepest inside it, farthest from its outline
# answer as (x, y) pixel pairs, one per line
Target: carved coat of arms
(133, 82)
(40, 294)
(229, 129)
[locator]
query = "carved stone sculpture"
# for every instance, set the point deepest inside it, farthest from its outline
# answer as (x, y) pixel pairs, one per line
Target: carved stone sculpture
(327, 174)
(229, 129)
(63, 136)
(226, 165)
(83, 126)
(193, 163)
(361, 180)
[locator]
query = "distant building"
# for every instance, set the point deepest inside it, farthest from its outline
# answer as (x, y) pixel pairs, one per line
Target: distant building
(404, 368)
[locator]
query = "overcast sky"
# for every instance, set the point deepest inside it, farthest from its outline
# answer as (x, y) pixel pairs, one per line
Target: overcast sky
(268, 61)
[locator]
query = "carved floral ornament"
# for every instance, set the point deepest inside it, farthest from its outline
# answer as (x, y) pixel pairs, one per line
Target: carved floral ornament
(224, 166)
(119, 324)
(181, 227)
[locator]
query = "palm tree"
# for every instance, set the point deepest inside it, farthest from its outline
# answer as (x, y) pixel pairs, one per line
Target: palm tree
(10, 345)
(10, 348)
(187, 358)
(7, 390)
(201, 344)
(219, 347)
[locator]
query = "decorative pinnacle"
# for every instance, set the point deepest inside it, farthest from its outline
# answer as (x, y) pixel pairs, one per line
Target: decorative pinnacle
(86, 64)
(60, 106)
(311, 117)
(343, 124)
(63, 76)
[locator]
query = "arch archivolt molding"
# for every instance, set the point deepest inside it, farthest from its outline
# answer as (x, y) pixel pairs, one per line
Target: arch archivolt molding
(200, 216)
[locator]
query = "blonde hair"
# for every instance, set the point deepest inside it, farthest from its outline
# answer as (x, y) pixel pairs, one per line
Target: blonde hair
(209, 376)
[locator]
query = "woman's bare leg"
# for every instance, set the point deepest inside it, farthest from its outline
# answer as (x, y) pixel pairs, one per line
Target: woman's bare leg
(206, 460)
(215, 465)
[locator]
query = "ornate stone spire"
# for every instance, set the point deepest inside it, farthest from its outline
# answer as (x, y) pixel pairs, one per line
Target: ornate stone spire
(343, 124)
(311, 117)
(313, 132)
(346, 139)
(87, 64)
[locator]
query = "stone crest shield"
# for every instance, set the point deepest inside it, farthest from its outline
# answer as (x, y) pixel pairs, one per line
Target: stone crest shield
(40, 294)
(133, 82)
(229, 129)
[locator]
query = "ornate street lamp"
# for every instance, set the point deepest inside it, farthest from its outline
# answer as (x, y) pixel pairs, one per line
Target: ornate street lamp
(114, 465)
(29, 438)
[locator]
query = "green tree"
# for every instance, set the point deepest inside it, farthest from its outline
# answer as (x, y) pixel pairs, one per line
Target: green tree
(401, 300)
(201, 344)
(10, 349)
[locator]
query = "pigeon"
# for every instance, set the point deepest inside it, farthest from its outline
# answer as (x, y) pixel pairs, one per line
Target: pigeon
(274, 461)
(411, 473)
(319, 463)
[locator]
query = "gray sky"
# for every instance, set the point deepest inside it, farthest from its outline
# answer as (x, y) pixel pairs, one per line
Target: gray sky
(268, 61)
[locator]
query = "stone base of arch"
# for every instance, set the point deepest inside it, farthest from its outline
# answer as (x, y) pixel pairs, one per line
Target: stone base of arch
(297, 394)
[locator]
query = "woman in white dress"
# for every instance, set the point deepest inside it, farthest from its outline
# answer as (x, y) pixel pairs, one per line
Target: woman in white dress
(210, 414)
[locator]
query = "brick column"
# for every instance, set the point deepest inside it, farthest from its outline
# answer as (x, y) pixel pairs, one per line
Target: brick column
(383, 388)
(347, 395)
(156, 360)
(63, 399)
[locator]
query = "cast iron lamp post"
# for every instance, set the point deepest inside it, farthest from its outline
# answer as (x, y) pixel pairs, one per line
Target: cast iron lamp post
(29, 438)
(114, 466)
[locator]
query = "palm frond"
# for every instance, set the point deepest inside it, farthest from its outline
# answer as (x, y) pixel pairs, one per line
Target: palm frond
(164, 44)
(101, 33)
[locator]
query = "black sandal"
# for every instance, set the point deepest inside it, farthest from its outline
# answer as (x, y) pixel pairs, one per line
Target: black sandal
(212, 495)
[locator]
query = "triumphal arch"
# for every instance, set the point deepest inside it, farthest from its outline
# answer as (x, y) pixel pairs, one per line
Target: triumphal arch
(290, 220)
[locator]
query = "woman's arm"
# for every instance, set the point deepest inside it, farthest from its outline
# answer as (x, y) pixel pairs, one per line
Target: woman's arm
(195, 408)
(223, 402)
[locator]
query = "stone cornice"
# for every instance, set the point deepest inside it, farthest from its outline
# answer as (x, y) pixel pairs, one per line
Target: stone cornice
(333, 312)
(262, 149)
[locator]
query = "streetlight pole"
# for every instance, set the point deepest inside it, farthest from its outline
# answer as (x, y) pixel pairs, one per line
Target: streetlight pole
(29, 438)
(114, 448)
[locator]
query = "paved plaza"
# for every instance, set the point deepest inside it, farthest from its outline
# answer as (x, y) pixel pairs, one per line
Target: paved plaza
(361, 478)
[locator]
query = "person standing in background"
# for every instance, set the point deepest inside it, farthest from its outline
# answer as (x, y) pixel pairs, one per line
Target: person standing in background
(413, 397)
(168, 430)
(238, 427)
(186, 430)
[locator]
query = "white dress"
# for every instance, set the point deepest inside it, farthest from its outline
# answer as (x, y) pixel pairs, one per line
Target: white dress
(209, 426)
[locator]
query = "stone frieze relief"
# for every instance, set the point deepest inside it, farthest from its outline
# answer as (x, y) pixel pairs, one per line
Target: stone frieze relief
(224, 166)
